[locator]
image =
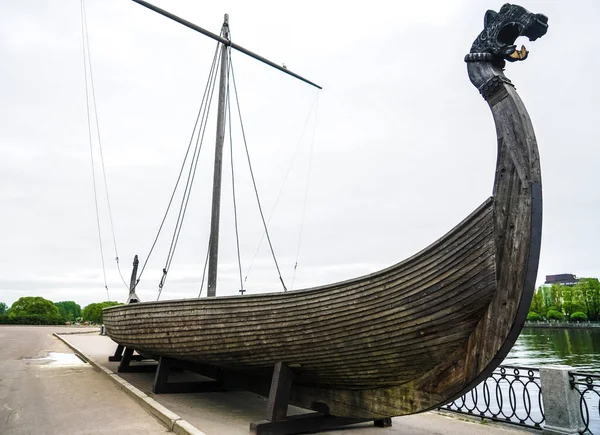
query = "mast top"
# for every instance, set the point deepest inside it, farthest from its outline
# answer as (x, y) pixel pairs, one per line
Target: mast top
(225, 41)
(225, 29)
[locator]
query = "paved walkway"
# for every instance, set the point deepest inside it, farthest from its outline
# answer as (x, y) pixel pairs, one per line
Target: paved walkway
(45, 396)
(230, 413)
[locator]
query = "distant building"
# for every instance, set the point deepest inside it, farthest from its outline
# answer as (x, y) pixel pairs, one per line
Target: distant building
(567, 279)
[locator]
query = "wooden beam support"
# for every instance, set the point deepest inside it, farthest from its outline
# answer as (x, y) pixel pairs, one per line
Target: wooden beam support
(118, 354)
(278, 423)
(383, 422)
(162, 385)
(279, 394)
(313, 422)
(125, 360)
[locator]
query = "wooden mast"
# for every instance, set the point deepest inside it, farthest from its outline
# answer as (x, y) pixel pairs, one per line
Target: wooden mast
(213, 258)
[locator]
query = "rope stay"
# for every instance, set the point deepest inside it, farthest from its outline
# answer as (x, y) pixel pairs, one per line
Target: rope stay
(262, 216)
(310, 160)
(188, 188)
(191, 141)
(89, 125)
(204, 270)
(99, 138)
(235, 215)
(283, 184)
(197, 133)
(180, 171)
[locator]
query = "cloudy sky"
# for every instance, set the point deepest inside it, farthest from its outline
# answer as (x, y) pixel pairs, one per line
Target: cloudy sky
(403, 149)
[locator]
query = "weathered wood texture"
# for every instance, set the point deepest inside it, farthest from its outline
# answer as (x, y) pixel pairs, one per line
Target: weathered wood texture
(380, 330)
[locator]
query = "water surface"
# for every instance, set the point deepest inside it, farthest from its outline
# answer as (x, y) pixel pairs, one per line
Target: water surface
(579, 348)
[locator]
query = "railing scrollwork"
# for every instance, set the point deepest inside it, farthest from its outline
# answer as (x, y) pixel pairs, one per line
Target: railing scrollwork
(511, 394)
(588, 387)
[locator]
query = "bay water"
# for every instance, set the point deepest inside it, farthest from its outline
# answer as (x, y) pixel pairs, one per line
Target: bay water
(579, 348)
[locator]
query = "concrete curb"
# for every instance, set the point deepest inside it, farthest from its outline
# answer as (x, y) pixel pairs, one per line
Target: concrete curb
(172, 421)
(78, 332)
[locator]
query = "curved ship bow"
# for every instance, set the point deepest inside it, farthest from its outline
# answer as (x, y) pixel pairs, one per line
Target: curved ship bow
(517, 225)
(517, 187)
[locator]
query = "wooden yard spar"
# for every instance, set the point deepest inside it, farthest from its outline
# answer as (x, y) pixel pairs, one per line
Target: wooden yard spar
(402, 340)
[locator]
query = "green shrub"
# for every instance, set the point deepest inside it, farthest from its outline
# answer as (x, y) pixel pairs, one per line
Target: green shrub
(93, 312)
(32, 319)
(32, 305)
(534, 317)
(578, 316)
(68, 309)
(554, 315)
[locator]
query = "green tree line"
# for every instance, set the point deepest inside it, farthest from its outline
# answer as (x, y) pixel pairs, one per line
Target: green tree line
(572, 303)
(35, 310)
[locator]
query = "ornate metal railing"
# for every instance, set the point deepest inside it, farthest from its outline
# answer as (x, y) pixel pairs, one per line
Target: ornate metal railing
(588, 387)
(511, 395)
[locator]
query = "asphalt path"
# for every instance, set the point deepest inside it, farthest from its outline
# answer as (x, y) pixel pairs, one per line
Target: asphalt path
(42, 396)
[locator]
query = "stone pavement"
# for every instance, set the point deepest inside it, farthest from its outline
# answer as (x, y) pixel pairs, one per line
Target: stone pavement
(46, 390)
(224, 413)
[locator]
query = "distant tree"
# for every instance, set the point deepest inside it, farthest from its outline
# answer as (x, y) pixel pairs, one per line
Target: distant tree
(3, 308)
(578, 316)
(69, 310)
(534, 317)
(587, 292)
(554, 315)
(93, 312)
(547, 296)
(33, 305)
(537, 303)
(556, 296)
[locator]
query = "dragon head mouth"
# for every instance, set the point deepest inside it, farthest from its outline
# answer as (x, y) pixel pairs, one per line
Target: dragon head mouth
(501, 30)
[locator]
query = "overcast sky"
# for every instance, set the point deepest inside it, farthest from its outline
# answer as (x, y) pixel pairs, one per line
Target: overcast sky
(404, 146)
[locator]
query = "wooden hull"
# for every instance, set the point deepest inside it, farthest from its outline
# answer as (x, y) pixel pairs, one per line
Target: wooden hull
(403, 340)
(379, 330)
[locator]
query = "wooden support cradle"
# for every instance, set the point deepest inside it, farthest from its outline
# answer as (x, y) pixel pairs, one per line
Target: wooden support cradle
(278, 423)
(163, 386)
(124, 356)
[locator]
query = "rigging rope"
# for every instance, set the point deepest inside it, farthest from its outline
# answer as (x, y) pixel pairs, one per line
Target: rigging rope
(182, 166)
(93, 88)
(89, 122)
(204, 271)
(310, 158)
(235, 216)
(262, 216)
(203, 117)
(289, 170)
(187, 192)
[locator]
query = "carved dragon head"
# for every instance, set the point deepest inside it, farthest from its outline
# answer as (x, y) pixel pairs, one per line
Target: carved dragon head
(501, 29)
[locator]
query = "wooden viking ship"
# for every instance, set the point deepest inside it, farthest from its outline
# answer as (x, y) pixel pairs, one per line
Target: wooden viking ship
(408, 338)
